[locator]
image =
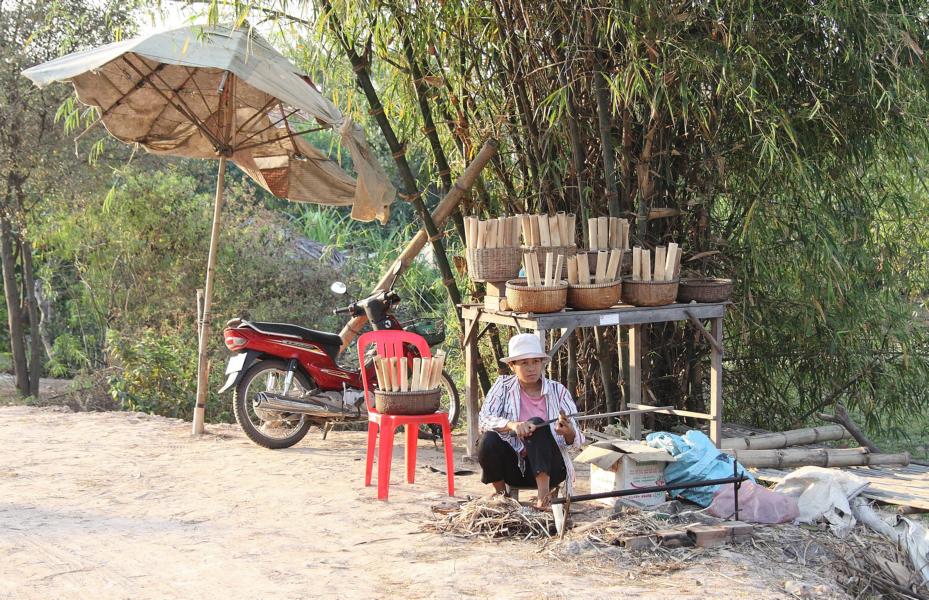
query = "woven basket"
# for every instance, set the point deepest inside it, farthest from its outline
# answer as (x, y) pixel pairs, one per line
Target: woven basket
(595, 296)
(538, 299)
(625, 264)
(704, 290)
(422, 402)
(541, 251)
(493, 264)
(649, 293)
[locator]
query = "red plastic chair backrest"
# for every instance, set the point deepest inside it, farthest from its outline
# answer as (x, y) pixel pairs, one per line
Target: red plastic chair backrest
(389, 344)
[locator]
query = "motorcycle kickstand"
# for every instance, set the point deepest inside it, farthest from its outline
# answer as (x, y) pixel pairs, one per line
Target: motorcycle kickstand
(327, 428)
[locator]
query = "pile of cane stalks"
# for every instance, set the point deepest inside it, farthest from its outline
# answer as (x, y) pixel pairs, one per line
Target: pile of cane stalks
(492, 517)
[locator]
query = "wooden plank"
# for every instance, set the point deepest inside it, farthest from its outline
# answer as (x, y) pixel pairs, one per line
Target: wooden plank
(716, 383)
(471, 392)
(635, 380)
(674, 412)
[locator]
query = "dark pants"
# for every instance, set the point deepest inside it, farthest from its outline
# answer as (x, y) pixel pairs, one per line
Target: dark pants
(499, 461)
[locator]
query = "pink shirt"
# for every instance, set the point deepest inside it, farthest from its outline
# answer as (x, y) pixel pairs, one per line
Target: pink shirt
(531, 406)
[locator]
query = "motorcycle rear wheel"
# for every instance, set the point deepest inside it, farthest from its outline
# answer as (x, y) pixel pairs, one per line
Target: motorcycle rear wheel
(269, 429)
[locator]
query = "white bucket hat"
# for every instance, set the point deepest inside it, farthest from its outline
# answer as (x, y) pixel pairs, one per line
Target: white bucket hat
(525, 345)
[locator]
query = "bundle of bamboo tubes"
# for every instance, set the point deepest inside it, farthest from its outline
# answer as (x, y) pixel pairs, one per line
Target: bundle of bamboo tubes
(667, 263)
(548, 230)
(607, 233)
(393, 374)
(605, 271)
(553, 268)
(502, 232)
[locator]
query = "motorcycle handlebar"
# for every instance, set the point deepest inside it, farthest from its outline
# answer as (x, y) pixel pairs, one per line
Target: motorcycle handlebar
(343, 310)
(391, 298)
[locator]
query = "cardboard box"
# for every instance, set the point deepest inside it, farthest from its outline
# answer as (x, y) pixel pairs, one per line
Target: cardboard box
(626, 465)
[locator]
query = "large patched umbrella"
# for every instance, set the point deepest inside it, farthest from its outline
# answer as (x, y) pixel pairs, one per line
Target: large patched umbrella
(218, 93)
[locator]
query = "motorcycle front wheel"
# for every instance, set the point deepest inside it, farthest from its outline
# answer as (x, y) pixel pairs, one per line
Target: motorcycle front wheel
(270, 429)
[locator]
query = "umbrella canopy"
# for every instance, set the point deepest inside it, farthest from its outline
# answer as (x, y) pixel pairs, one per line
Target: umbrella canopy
(211, 92)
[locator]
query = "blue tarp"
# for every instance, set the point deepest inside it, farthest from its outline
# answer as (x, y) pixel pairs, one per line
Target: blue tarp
(696, 459)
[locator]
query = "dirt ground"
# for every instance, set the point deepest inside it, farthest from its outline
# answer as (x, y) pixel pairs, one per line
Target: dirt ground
(127, 505)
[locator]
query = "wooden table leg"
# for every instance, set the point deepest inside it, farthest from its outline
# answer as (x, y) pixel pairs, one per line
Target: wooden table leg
(716, 382)
(471, 391)
(635, 379)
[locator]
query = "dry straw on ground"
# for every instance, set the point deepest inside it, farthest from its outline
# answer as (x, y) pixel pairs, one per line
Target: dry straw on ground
(493, 517)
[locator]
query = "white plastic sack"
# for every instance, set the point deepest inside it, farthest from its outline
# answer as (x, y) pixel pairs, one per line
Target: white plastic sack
(757, 504)
(823, 493)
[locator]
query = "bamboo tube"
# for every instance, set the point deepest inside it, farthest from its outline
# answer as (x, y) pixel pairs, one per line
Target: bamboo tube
(535, 230)
(583, 269)
(782, 439)
(626, 235)
(507, 225)
(469, 242)
(572, 270)
(572, 229)
(379, 370)
(514, 227)
(818, 457)
(481, 234)
(474, 228)
(395, 374)
(554, 230)
(646, 264)
(493, 233)
(562, 219)
(438, 361)
(615, 233)
(660, 263)
(417, 374)
(527, 270)
(602, 259)
(559, 265)
(535, 269)
(527, 229)
(603, 233)
(424, 374)
(612, 269)
(404, 375)
(592, 234)
(672, 262)
(636, 263)
(545, 234)
(549, 265)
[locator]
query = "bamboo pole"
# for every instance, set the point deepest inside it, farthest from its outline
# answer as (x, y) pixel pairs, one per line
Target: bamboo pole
(783, 439)
(441, 213)
(817, 457)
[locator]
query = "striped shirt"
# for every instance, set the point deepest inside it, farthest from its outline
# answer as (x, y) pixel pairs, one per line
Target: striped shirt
(502, 406)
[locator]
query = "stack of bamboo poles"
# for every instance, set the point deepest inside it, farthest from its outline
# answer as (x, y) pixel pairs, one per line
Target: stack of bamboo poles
(502, 232)
(607, 233)
(667, 263)
(548, 231)
(553, 268)
(393, 374)
(605, 271)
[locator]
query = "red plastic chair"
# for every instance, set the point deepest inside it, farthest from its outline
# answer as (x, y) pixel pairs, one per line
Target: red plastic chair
(389, 344)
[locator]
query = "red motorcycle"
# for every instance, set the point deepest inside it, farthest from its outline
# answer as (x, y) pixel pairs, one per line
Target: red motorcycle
(285, 377)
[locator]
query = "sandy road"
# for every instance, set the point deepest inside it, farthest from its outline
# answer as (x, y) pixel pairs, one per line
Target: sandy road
(127, 505)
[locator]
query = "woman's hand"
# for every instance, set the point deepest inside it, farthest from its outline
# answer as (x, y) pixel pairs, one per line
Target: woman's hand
(522, 429)
(564, 428)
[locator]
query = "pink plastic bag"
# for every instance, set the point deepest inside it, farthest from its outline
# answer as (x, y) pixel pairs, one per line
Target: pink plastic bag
(757, 504)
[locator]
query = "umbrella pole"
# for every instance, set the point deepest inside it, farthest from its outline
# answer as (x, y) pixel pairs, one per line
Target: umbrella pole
(202, 364)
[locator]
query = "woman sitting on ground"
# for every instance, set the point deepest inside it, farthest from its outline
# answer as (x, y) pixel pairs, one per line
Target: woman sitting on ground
(514, 450)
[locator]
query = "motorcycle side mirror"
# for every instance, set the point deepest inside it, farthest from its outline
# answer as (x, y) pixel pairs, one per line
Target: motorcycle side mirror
(338, 287)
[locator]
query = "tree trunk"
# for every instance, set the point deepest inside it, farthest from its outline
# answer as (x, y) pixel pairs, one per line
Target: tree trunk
(14, 313)
(32, 310)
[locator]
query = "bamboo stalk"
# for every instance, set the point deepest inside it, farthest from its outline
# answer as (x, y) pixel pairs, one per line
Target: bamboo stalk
(535, 230)
(783, 439)
(603, 233)
(417, 374)
(592, 234)
(660, 263)
(646, 264)
(819, 457)
(615, 233)
(602, 260)
(559, 265)
(572, 270)
(545, 234)
(612, 268)
(404, 375)
(583, 269)
(549, 265)
(636, 263)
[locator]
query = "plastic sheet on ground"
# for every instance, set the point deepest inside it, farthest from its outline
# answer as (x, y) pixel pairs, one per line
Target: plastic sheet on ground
(696, 459)
(824, 493)
(757, 504)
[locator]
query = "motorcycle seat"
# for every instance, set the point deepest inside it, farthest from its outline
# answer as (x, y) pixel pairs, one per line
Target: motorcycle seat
(327, 340)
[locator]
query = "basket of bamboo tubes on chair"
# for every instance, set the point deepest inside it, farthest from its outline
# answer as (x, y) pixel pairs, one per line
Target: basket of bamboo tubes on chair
(536, 293)
(653, 287)
(493, 252)
(400, 392)
(544, 234)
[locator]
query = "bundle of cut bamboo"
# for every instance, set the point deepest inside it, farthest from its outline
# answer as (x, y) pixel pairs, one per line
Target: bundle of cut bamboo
(393, 373)
(606, 269)
(502, 232)
(548, 231)
(492, 248)
(553, 268)
(607, 233)
(667, 263)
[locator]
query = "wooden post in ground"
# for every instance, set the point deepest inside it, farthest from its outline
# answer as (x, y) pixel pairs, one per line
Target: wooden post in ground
(716, 382)
(471, 386)
(635, 379)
